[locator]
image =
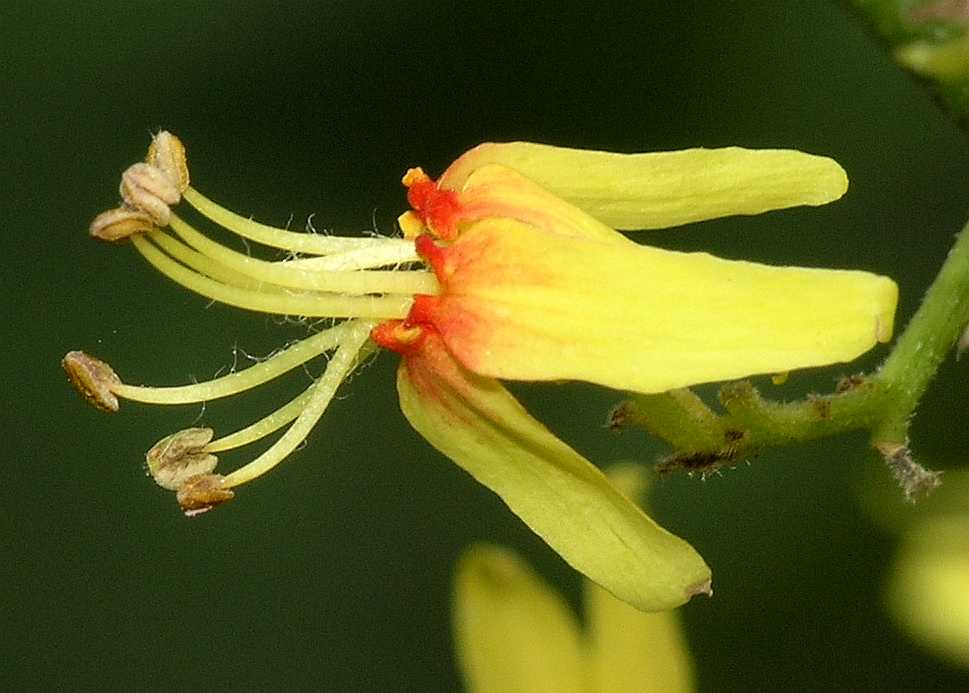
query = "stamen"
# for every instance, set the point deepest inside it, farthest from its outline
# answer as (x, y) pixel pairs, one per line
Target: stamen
(167, 153)
(283, 274)
(206, 265)
(338, 369)
(277, 419)
(93, 378)
(230, 384)
(396, 251)
(175, 459)
(149, 189)
(306, 304)
(202, 493)
(262, 428)
(309, 243)
(120, 224)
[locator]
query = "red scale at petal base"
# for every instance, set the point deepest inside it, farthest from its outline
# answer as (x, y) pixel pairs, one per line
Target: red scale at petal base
(438, 209)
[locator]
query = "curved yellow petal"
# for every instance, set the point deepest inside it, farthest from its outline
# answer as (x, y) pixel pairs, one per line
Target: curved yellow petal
(560, 495)
(927, 592)
(512, 633)
(662, 189)
(519, 303)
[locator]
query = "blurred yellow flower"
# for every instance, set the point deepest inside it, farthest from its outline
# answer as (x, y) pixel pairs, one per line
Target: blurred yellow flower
(515, 634)
(928, 590)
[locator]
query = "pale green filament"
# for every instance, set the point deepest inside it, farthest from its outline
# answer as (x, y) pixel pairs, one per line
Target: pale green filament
(358, 331)
(296, 303)
(390, 252)
(200, 263)
(263, 427)
(310, 243)
(285, 274)
(274, 421)
(230, 384)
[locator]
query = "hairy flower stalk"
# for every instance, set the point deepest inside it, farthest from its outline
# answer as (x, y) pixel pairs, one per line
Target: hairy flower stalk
(527, 279)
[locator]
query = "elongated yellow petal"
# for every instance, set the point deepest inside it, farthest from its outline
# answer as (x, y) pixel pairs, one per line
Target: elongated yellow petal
(662, 189)
(512, 633)
(629, 650)
(558, 493)
(524, 304)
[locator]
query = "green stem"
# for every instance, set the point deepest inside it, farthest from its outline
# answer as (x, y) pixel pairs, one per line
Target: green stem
(927, 339)
(882, 404)
(768, 422)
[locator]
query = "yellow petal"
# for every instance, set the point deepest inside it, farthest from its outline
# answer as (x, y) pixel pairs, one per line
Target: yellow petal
(512, 633)
(630, 650)
(662, 189)
(518, 303)
(498, 191)
(927, 593)
(560, 495)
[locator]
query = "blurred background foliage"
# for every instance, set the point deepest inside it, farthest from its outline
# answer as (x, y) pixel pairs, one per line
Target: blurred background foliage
(931, 38)
(333, 573)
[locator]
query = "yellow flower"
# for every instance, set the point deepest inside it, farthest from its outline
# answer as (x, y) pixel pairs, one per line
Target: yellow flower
(529, 281)
(514, 634)
(930, 575)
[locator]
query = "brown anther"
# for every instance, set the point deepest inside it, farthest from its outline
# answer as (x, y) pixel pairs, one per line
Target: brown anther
(176, 458)
(120, 224)
(149, 189)
(202, 493)
(167, 153)
(93, 378)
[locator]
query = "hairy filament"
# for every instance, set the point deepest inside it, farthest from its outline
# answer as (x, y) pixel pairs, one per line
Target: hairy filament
(284, 274)
(297, 303)
(206, 265)
(274, 421)
(248, 378)
(395, 252)
(343, 361)
(310, 243)
(264, 426)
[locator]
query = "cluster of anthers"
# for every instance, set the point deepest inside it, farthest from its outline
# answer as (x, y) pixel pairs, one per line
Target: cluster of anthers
(362, 280)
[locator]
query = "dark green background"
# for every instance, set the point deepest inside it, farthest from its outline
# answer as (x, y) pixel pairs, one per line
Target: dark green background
(333, 572)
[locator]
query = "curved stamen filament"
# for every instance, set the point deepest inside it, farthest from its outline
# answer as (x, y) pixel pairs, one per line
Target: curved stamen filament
(284, 274)
(296, 303)
(274, 421)
(321, 393)
(310, 243)
(205, 265)
(230, 384)
(264, 426)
